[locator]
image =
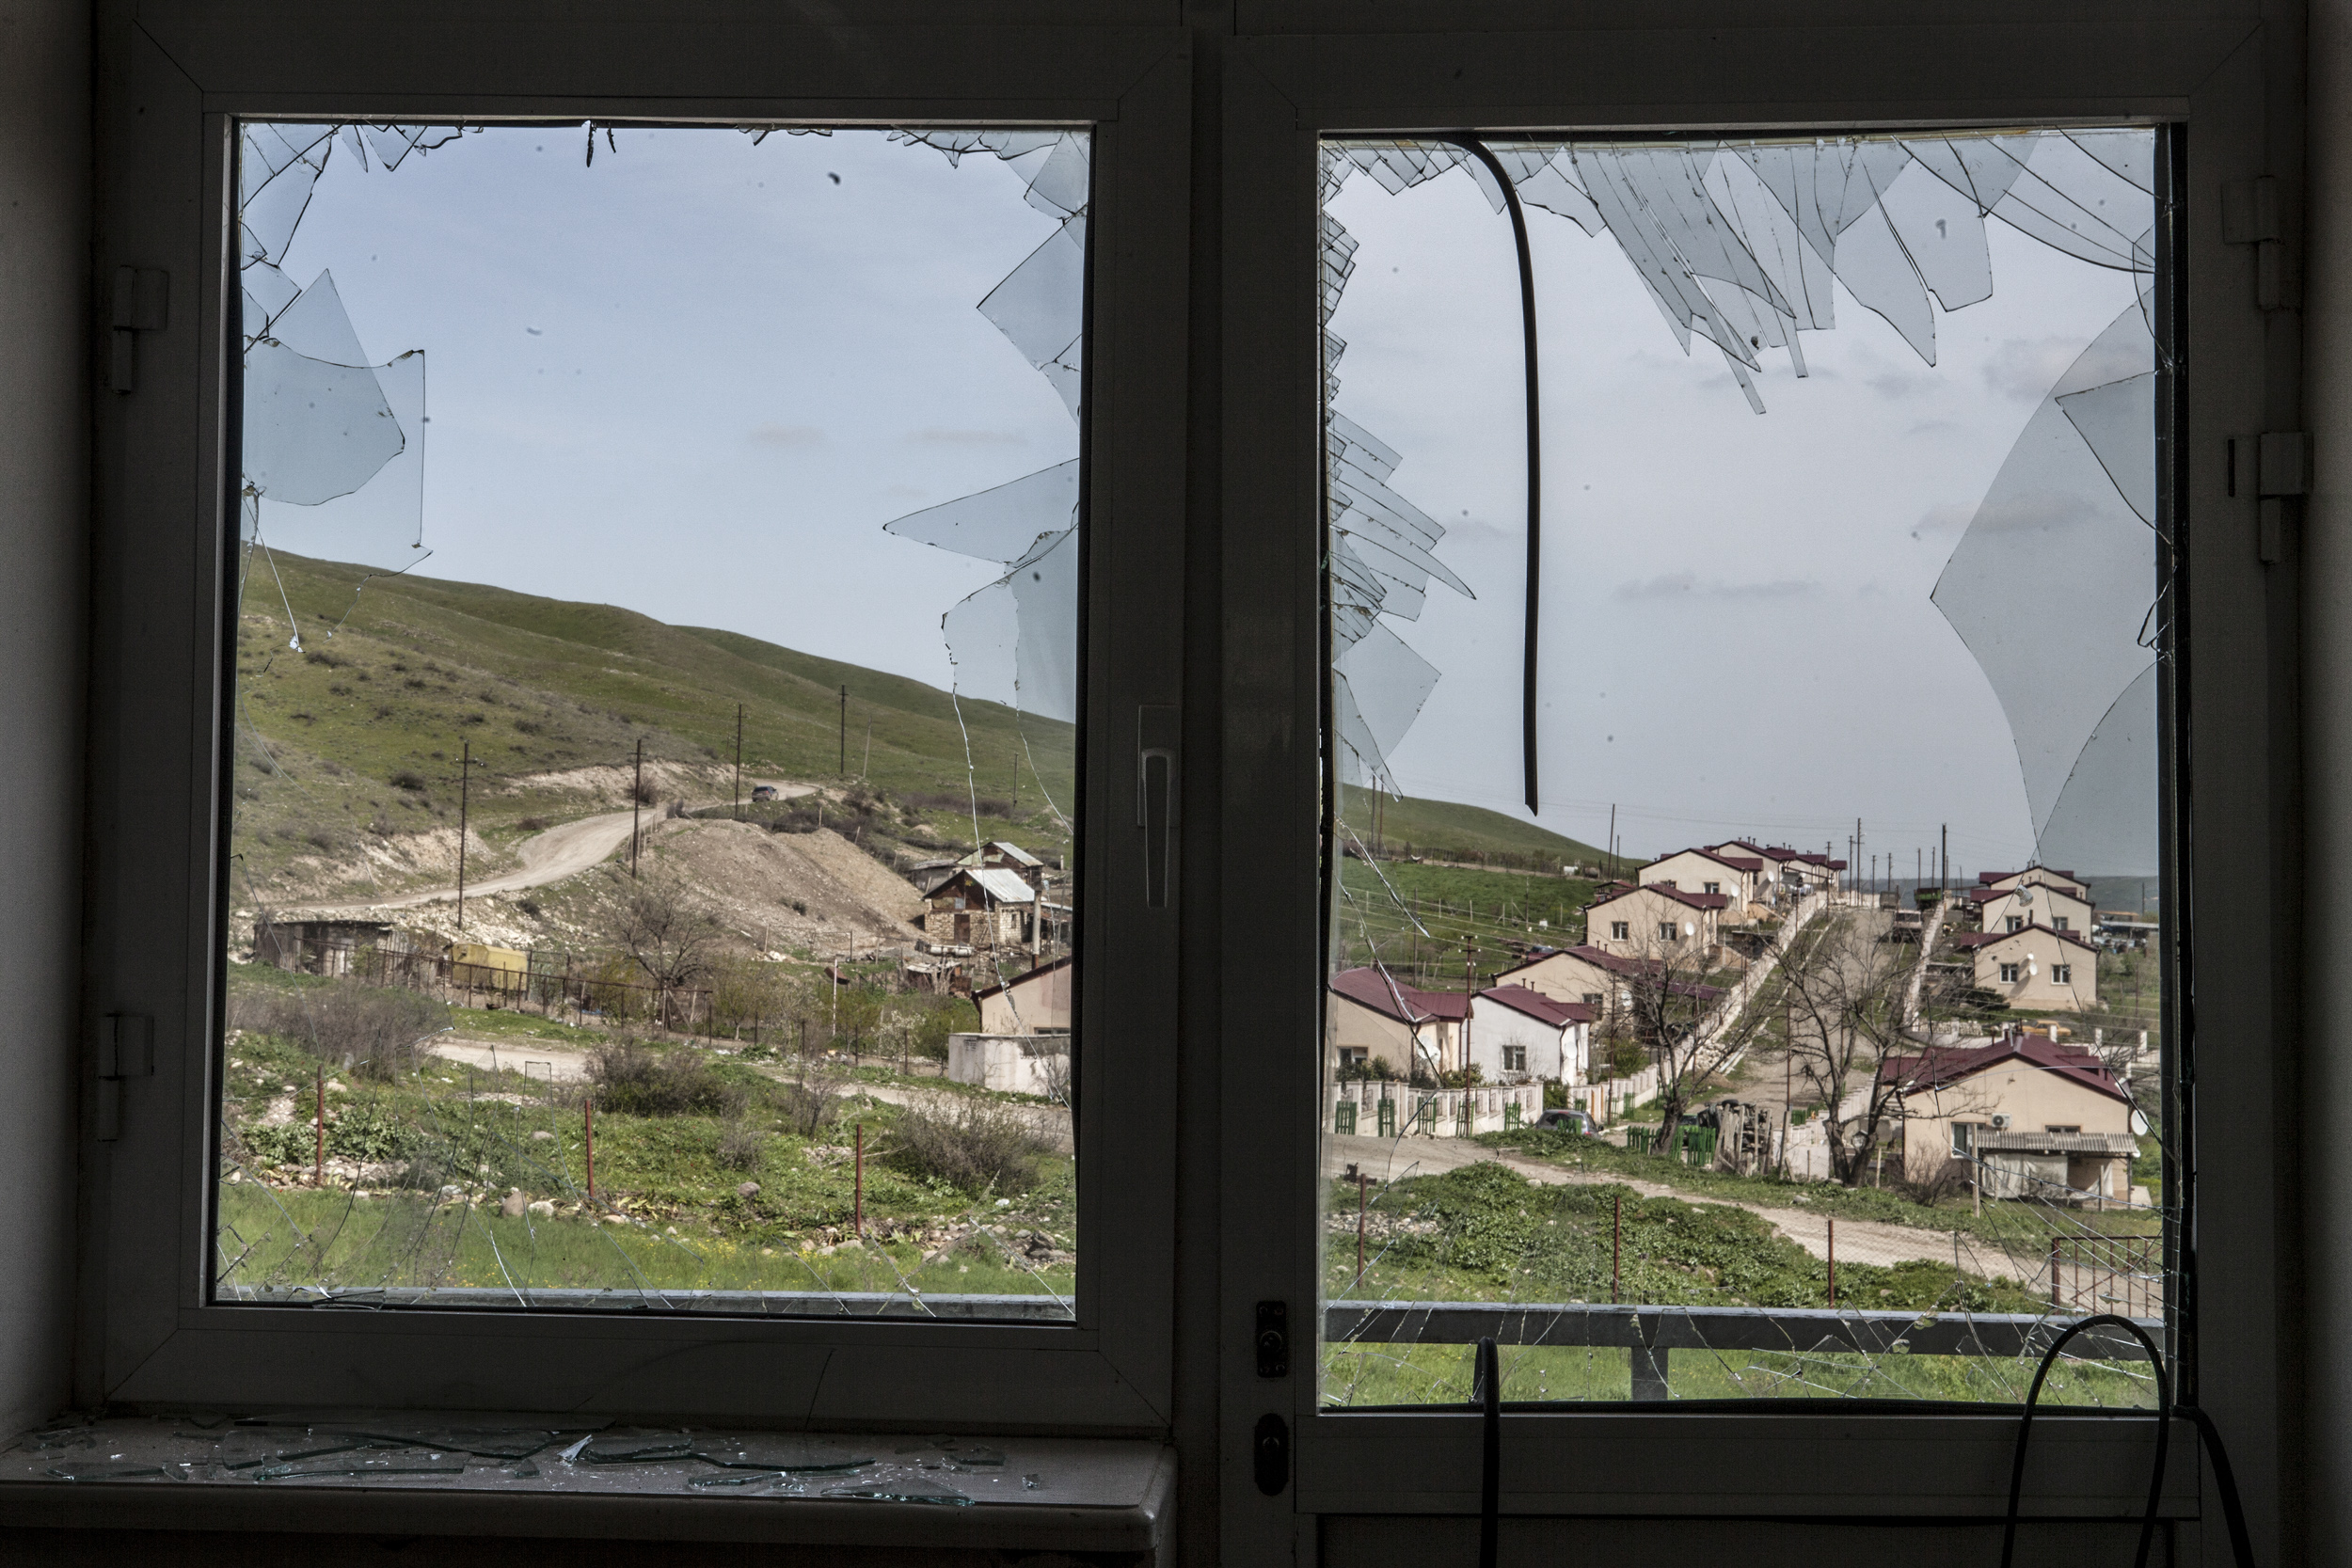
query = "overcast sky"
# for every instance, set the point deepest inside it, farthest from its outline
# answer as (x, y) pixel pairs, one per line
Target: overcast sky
(696, 378)
(1736, 625)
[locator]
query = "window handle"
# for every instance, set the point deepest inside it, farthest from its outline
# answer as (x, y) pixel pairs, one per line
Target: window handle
(1157, 797)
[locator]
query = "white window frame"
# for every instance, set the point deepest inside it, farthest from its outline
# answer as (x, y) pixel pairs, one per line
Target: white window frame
(1620, 930)
(164, 531)
(1330, 69)
(2009, 973)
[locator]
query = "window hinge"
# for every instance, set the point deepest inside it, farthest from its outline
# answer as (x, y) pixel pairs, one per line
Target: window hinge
(126, 1049)
(2249, 215)
(142, 304)
(2270, 468)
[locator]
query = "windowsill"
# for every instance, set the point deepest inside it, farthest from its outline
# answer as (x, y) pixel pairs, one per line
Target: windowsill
(1092, 1494)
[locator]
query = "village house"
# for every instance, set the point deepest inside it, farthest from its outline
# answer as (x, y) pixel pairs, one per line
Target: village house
(1518, 1033)
(1808, 873)
(2035, 968)
(1601, 981)
(1771, 863)
(1660, 919)
(1001, 855)
(1035, 1002)
(2032, 1116)
(982, 907)
(1374, 1019)
(1737, 878)
(2034, 876)
(2023, 903)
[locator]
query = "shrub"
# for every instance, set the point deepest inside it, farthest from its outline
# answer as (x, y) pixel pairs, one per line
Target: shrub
(633, 1081)
(978, 1146)
(408, 778)
(741, 1145)
(374, 1031)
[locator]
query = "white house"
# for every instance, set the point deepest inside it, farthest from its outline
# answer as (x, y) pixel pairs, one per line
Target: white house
(1032, 1004)
(1737, 878)
(1658, 920)
(2034, 876)
(2036, 968)
(2023, 904)
(1516, 1030)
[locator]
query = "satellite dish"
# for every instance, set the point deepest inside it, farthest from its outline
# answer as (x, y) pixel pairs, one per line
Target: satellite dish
(2024, 895)
(1689, 929)
(2139, 1123)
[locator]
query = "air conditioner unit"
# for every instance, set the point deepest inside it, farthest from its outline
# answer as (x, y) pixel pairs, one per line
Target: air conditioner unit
(2001, 1123)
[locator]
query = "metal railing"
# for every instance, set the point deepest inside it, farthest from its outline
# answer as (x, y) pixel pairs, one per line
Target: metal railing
(1654, 1333)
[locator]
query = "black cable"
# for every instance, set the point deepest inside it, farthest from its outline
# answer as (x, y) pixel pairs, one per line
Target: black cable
(2233, 1510)
(1478, 149)
(2025, 1429)
(1488, 1394)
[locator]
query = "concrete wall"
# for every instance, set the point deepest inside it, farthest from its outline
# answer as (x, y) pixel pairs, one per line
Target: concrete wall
(1552, 1051)
(1014, 1064)
(1028, 1006)
(44, 502)
(1644, 912)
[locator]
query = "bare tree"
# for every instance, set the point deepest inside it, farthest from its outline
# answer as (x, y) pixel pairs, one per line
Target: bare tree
(1843, 994)
(1690, 1029)
(666, 932)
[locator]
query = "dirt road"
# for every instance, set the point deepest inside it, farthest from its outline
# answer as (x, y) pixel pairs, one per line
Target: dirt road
(563, 850)
(1858, 1241)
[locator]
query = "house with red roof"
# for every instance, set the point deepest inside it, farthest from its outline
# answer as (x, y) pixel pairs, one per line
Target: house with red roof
(2034, 876)
(1660, 921)
(1518, 1033)
(1737, 877)
(2035, 968)
(1372, 1017)
(1602, 980)
(2023, 903)
(2031, 1117)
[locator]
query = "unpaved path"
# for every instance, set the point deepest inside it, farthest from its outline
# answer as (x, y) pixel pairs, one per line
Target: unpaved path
(555, 1063)
(563, 850)
(1858, 1241)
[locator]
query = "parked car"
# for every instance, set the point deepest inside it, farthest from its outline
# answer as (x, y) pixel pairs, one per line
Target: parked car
(763, 792)
(1568, 1121)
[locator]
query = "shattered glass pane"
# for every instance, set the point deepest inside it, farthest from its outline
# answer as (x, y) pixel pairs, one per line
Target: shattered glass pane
(1730, 1071)
(653, 886)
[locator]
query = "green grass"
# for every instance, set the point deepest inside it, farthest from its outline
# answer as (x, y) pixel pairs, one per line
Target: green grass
(1445, 830)
(1485, 1234)
(2000, 1222)
(446, 1130)
(422, 669)
(1455, 905)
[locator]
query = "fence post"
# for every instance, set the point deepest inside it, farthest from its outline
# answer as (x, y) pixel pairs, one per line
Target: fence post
(1832, 1263)
(2054, 1272)
(857, 1211)
(588, 1123)
(1616, 1245)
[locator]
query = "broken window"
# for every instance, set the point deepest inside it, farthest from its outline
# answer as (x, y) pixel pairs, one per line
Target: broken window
(592, 786)
(1854, 575)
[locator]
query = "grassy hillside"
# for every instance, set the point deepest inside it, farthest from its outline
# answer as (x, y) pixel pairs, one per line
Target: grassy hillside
(347, 751)
(1442, 830)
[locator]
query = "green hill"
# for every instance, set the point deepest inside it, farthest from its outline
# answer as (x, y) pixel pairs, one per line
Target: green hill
(355, 739)
(1443, 830)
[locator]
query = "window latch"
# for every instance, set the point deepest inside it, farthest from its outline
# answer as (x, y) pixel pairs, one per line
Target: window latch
(1273, 1338)
(126, 1049)
(2270, 468)
(142, 304)
(1156, 797)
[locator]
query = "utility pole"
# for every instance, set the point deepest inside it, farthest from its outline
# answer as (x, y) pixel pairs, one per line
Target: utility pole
(465, 777)
(1944, 859)
(738, 762)
(845, 732)
(1470, 994)
(636, 799)
(1613, 841)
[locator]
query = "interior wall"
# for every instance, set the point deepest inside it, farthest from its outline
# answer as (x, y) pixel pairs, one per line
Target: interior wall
(2328, 777)
(45, 484)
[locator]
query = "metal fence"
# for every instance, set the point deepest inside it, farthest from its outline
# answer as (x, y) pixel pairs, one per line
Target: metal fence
(2123, 1275)
(555, 983)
